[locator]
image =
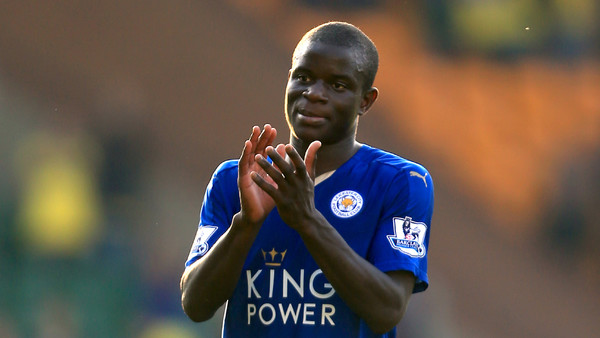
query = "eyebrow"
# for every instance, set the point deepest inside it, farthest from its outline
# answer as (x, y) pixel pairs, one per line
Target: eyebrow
(335, 76)
(345, 78)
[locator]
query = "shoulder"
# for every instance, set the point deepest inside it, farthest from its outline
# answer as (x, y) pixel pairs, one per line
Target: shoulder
(225, 169)
(227, 166)
(224, 174)
(393, 164)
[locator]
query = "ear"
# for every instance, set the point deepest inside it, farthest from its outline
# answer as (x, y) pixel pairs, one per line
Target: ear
(368, 98)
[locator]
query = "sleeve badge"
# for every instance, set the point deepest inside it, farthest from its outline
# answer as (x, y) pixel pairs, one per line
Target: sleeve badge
(200, 246)
(409, 237)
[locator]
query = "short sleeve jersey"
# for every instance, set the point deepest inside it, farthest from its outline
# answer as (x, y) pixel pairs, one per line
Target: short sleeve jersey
(380, 203)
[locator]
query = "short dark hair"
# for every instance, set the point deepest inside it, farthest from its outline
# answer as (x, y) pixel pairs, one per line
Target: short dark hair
(344, 34)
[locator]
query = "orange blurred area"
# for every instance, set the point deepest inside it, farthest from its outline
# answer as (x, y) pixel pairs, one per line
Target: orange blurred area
(113, 116)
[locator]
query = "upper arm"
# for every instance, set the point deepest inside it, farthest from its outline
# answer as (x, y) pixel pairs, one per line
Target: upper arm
(220, 203)
(402, 235)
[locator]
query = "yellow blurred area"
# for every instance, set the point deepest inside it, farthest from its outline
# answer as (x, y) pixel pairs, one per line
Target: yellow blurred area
(487, 24)
(60, 211)
(167, 329)
(577, 15)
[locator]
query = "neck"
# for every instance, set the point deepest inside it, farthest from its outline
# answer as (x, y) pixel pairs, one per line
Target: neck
(330, 156)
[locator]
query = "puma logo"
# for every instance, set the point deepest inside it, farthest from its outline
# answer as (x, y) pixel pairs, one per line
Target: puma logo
(414, 173)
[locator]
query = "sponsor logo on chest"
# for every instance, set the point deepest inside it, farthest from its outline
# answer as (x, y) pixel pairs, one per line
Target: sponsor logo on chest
(273, 293)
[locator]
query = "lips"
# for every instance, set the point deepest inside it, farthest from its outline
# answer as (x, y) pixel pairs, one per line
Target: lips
(308, 117)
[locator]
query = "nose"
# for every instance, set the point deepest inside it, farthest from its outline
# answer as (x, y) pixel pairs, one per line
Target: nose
(315, 92)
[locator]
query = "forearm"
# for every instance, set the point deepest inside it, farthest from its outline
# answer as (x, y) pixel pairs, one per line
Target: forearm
(210, 281)
(371, 294)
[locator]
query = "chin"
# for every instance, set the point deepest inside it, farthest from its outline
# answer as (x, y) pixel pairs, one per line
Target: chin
(307, 136)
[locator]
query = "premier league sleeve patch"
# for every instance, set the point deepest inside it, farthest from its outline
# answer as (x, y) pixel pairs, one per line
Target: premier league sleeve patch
(200, 246)
(409, 237)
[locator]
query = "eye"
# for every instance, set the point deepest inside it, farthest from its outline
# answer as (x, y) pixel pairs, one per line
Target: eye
(339, 85)
(302, 77)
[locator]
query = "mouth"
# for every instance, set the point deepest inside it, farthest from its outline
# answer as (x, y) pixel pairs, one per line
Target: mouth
(308, 117)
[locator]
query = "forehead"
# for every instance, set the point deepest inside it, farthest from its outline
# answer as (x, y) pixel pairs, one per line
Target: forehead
(325, 57)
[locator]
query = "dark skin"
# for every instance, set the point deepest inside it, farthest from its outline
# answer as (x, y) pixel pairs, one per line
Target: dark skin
(324, 98)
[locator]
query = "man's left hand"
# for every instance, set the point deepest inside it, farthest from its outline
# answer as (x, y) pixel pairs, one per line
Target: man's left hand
(293, 191)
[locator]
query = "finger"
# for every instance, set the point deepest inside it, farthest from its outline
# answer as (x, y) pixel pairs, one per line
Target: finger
(254, 137)
(254, 133)
(280, 149)
(245, 163)
(246, 158)
(273, 136)
(265, 186)
(280, 162)
(310, 158)
(296, 160)
(273, 173)
(266, 138)
(246, 150)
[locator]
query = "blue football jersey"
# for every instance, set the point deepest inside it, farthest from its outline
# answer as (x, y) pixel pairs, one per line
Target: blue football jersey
(380, 203)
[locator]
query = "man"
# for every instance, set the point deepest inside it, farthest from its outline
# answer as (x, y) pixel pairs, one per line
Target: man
(307, 247)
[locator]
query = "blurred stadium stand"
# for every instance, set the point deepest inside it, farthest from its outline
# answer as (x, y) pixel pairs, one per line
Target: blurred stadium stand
(114, 114)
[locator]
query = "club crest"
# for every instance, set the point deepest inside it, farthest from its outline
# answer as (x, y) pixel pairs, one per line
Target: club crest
(346, 203)
(409, 237)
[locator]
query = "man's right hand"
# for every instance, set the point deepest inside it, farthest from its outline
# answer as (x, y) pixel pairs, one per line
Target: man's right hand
(255, 203)
(210, 281)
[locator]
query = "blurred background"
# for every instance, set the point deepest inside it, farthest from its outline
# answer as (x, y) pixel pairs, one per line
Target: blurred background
(114, 114)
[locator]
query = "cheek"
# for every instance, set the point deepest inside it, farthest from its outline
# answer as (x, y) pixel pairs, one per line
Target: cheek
(347, 109)
(292, 91)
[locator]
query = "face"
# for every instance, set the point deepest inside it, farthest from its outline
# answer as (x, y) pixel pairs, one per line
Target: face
(324, 95)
